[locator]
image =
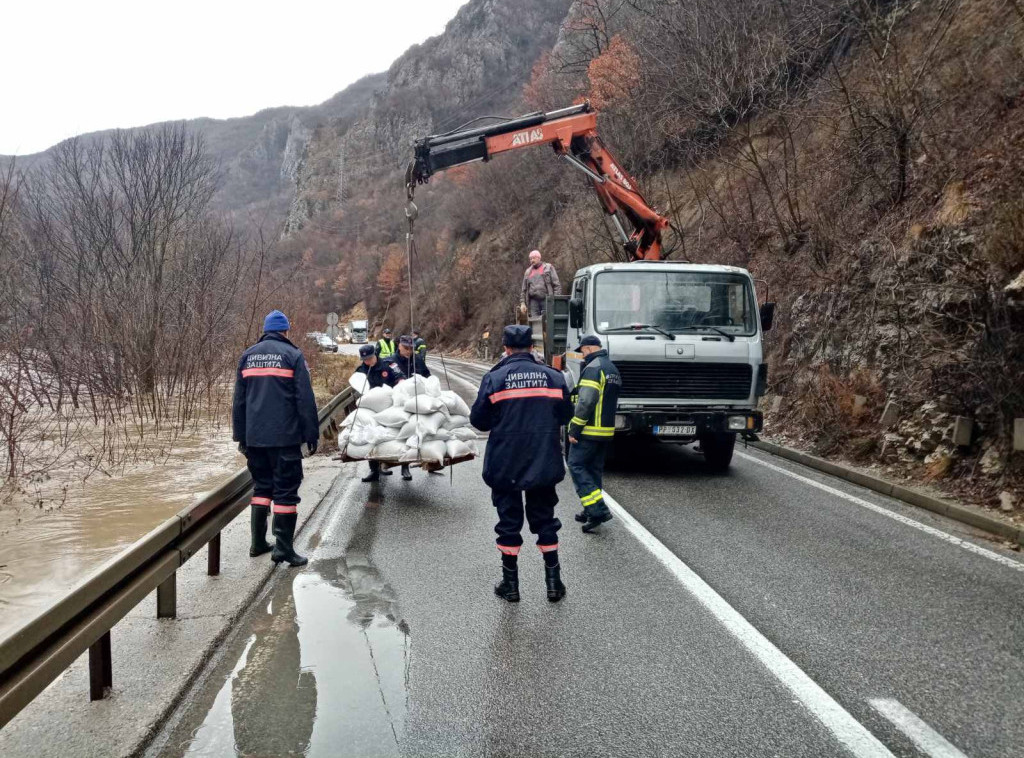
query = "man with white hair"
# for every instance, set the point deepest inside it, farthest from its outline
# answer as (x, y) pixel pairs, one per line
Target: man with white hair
(539, 281)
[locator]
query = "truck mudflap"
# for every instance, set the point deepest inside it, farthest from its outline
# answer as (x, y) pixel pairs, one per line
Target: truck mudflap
(687, 424)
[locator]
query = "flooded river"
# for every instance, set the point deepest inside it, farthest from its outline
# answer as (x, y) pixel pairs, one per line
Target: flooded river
(49, 552)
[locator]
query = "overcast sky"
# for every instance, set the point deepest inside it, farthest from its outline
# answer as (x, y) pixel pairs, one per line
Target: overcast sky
(75, 66)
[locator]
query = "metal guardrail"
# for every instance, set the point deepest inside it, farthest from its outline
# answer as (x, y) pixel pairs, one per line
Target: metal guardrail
(39, 651)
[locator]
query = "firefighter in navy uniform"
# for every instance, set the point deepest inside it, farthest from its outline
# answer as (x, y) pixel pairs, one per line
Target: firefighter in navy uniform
(379, 371)
(592, 429)
(273, 414)
(419, 344)
(408, 359)
(523, 405)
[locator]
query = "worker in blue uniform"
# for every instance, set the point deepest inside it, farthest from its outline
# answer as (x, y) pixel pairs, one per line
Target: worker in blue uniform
(273, 414)
(524, 406)
(592, 430)
(379, 371)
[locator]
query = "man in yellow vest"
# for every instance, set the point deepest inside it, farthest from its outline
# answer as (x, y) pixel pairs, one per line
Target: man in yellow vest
(385, 345)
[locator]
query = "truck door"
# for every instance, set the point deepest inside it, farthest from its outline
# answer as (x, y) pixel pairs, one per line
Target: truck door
(574, 361)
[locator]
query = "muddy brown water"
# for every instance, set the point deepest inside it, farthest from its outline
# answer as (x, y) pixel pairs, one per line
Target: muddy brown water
(50, 552)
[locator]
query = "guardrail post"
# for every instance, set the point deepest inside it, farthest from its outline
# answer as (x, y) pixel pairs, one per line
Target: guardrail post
(101, 668)
(167, 597)
(213, 556)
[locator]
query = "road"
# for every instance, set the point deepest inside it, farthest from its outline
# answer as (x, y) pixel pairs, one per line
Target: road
(770, 611)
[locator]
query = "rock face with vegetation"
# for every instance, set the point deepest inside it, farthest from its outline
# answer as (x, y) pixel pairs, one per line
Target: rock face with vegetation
(862, 157)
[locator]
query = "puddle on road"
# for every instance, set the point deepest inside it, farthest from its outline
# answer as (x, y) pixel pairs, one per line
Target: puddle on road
(325, 672)
(45, 555)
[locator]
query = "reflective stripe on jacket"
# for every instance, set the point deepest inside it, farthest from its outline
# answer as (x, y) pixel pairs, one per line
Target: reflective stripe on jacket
(599, 387)
(385, 348)
(273, 404)
(524, 406)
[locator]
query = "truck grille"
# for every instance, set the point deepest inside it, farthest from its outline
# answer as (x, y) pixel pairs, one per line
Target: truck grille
(700, 381)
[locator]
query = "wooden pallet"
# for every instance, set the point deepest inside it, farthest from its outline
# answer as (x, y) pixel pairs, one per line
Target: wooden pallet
(425, 465)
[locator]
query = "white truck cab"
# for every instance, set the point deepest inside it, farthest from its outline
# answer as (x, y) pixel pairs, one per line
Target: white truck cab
(687, 339)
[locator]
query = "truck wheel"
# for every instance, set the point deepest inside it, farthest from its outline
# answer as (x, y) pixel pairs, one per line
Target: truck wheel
(717, 449)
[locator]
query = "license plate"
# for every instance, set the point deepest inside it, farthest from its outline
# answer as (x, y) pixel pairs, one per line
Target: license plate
(676, 430)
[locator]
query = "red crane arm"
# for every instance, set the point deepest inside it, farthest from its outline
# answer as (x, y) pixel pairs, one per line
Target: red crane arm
(572, 133)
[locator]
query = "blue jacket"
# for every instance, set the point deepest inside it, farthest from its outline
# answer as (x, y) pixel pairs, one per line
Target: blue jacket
(273, 404)
(523, 405)
(384, 371)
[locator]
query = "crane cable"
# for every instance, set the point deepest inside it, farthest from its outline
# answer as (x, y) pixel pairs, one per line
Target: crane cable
(411, 213)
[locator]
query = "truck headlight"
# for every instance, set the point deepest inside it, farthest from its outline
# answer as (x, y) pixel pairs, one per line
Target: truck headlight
(737, 423)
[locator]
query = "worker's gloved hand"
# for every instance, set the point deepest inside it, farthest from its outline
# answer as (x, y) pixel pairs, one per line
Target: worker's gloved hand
(243, 449)
(522, 308)
(312, 447)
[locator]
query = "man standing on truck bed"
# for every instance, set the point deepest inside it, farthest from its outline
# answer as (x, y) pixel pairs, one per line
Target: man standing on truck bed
(379, 371)
(592, 430)
(273, 413)
(523, 405)
(539, 281)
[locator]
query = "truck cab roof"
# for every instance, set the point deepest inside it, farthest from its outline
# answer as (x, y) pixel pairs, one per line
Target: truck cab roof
(660, 266)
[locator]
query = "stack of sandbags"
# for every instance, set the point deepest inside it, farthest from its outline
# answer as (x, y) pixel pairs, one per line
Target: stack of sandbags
(414, 422)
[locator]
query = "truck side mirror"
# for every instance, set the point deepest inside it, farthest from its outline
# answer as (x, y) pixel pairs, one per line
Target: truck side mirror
(767, 316)
(576, 313)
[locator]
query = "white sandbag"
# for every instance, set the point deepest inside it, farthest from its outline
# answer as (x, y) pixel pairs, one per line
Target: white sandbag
(378, 434)
(456, 421)
(456, 449)
(360, 416)
(464, 433)
(359, 382)
(433, 385)
(473, 449)
(390, 450)
(358, 451)
(377, 399)
(414, 385)
(416, 440)
(392, 417)
(455, 404)
(411, 455)
(362, 435)
(433, 451)
(421, 426)
(424, 404)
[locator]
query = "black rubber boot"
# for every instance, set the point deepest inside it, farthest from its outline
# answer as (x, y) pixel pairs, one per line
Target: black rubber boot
(508, 587)
(284, 531)
(597, 514)
(258, 526)
(553, 579)
(581, 516)
(373, 476)
(406, 473)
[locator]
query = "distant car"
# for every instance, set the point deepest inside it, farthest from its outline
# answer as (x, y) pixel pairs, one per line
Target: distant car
(326, 344)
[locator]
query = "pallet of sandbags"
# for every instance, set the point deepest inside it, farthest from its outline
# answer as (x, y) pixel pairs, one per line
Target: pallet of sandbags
(415, 423)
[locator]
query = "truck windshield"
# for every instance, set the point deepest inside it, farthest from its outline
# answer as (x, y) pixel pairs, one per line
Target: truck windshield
(676, 301)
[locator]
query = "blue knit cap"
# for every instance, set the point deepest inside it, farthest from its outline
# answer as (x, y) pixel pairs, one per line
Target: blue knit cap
(276, 322)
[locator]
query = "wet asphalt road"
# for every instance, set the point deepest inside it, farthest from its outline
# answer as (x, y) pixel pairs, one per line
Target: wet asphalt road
(392, 643)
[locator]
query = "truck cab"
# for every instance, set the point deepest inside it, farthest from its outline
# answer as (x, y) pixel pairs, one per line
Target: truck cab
(358, 331)
(687, 339)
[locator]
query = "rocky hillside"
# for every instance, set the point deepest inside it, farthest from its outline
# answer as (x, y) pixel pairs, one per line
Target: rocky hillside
(859, 156)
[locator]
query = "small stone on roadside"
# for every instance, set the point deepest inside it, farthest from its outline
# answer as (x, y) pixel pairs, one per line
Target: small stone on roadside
(1006, 501)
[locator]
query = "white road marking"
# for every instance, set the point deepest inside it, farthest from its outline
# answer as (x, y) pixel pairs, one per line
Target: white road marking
(970, 546)
(850, 732)
(927, 740)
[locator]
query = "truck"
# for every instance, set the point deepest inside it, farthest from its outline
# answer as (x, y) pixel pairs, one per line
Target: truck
(358, 331)
(686, 337)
